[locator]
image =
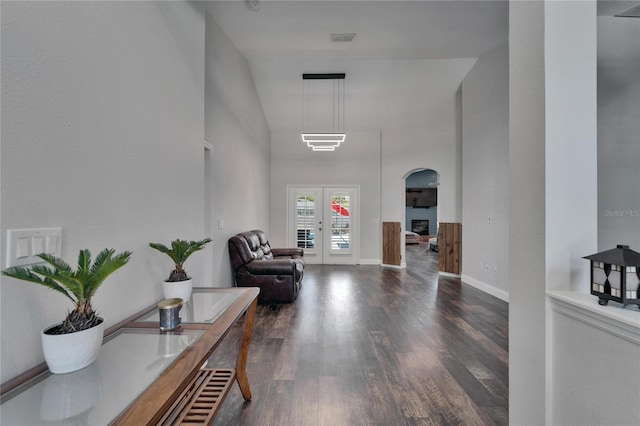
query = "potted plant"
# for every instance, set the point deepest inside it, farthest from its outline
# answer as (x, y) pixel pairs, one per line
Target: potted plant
(179, 283)
(74, 343)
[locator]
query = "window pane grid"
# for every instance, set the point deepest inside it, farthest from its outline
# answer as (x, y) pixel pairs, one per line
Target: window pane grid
(340, 223)
(305, 221)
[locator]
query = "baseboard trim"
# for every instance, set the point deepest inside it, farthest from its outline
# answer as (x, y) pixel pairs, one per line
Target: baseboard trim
(487, 288)
(402, 266)
(369, 262)
(449, 274)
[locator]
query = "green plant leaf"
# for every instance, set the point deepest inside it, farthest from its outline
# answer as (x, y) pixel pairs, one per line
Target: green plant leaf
(84, 261)
(104, 265)
(180, 250)
(27, 275)
(78, 285)
(56, 262)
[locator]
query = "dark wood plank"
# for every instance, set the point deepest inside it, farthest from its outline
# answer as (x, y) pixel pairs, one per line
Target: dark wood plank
(391, 243)
(366, 345)
(450, 241)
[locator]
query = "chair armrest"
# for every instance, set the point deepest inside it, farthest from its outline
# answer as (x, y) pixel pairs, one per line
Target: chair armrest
(293, 251)
(272, 267)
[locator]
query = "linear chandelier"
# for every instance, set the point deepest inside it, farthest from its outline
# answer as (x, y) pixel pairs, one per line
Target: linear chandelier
(323, 111)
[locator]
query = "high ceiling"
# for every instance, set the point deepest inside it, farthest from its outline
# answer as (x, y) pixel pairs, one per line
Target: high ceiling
(403, 51)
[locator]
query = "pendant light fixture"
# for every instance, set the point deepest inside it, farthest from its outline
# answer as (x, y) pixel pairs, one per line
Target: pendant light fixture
(323, 111)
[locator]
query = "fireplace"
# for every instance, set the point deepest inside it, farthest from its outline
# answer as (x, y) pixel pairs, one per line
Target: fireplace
(420, 226)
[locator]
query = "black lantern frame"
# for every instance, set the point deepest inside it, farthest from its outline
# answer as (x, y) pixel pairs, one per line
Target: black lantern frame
(615, 275)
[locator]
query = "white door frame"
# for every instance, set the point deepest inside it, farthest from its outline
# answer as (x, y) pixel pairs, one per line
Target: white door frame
(208, 214)
(352, 258)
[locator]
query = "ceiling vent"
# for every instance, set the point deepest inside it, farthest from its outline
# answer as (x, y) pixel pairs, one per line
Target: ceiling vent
(634, 12)
(342, 38)
(252, 5)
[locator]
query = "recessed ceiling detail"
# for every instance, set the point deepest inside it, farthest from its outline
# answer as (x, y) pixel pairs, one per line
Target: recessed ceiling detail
(392, 56)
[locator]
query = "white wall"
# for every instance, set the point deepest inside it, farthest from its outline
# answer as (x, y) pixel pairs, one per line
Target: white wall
(102, 134)
(404, 152)
(434, 144)
(527, 333)
(596, 379)
(587, 342)
(618, 132)
(571, 143)
(485, 174)
(553, 195)
(237, 129)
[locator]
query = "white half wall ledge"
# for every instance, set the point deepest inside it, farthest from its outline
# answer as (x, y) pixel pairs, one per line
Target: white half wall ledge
(487, 288)
(613, 318)
(370, 262)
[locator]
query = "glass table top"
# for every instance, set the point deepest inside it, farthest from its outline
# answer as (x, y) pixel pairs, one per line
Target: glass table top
(130, 360)
(205, 306)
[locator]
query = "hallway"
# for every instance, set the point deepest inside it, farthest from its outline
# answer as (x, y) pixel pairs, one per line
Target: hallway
(369, 345)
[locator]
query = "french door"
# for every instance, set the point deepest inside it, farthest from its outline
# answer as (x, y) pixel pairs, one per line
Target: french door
(323, 221)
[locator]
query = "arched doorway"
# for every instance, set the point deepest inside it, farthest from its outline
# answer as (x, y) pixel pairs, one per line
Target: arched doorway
(421, 209)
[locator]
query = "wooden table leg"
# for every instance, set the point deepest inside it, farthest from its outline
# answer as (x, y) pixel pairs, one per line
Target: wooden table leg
(243, 354)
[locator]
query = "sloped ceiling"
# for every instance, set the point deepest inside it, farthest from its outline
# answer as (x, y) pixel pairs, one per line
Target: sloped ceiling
(404, 52)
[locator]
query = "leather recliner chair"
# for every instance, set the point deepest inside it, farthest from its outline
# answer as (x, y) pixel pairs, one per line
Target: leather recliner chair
(277, 271)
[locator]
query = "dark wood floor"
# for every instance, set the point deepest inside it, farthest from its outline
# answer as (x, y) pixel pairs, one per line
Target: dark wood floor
(365, 345)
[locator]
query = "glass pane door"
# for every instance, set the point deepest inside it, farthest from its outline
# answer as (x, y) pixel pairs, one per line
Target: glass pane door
(307, 214)
(340, 224)
(306, 218)
(323, 222)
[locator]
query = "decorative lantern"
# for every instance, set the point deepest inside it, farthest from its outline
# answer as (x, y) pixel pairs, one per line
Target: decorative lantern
(615, 275)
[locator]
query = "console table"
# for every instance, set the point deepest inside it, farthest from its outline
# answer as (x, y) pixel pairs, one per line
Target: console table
(143, 376)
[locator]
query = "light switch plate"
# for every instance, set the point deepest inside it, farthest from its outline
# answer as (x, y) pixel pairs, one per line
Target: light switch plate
(24, 244)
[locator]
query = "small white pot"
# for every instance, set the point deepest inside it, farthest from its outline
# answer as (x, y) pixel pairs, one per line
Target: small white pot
(178, 289)
(69, 352)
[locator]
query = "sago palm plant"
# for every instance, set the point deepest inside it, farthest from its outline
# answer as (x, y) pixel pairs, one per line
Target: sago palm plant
(179, 252)
(78, 285)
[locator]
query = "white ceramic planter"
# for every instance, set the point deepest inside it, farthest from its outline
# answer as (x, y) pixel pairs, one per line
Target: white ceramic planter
(65, 353)
(179, 289)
